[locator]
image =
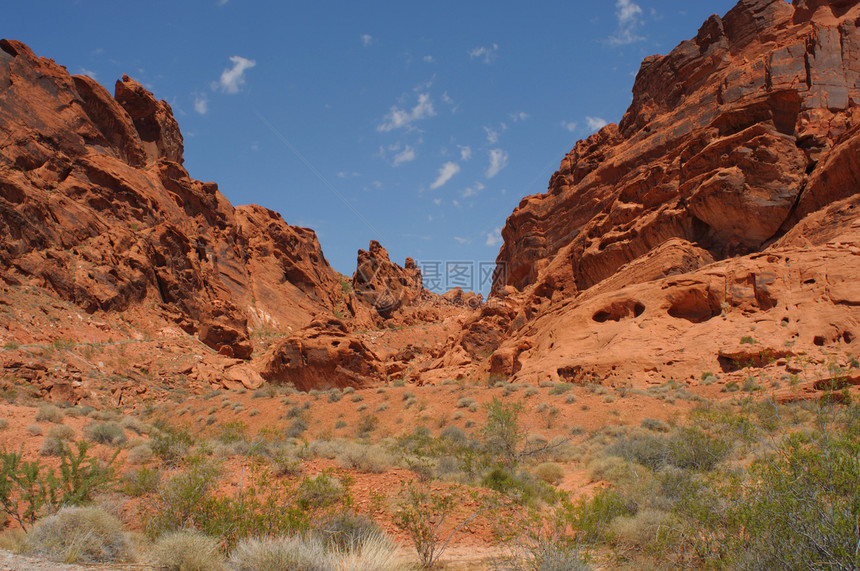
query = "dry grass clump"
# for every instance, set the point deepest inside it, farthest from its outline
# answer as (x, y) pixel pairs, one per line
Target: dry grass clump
(372, 458)
(549, 472)
(187, 551)
(49, 413)
(105, 433)
(140, 454)
(79, 535)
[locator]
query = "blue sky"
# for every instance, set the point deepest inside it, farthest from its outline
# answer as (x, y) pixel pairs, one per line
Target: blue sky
(420, 125)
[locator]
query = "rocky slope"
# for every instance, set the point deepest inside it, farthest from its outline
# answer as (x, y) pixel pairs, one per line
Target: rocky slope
(664, 240)
(97, 208)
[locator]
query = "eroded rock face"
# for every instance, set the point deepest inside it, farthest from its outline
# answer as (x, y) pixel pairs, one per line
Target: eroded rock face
(723, 207)
(96, 207)
(322, 355)
(716, 149)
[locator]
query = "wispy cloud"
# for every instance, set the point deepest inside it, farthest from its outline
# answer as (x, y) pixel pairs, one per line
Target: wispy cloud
(492, 135)
(201, 104)
(484, 53)
(463, 241)
(629, 16)
(595, 123)
(494, 238)
(465, 153)
(233, 78)
(446, 171)
(429, 59)
(366, 40)
(398, 118)
(405, 156)
(498, 161)
(473, 190)
(521, 116)
(569, 125)
(88, 72)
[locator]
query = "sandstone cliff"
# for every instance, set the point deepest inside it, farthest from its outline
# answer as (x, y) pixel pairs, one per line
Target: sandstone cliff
(96, 207)
(722, 207)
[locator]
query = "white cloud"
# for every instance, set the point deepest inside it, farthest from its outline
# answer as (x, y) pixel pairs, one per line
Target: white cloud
(569, 125)
(595, 123)
(437, 201)
(398, 118)
(473, 190)
(232, 78)
(498, 161)
(446, 171)
(429, 59)
(344, 174)
(492, 135)
(629, 16)
(461, 240)
(487, 54)
(465, 153)
(494, 238)
(222, 2)
(201, 104)
(404, 156)
(521, 116)
(88, 72)
(366, 40)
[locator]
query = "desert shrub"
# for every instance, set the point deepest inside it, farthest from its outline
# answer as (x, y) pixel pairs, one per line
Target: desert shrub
(279, 553)
(556, 556)
(502, 433)
(140, 454)
(375, 552)
(296, 428)
(422, 515)
(334, 395)
(367, 423)
(187, 551)
(285, 462)
(561, 388)
(61, 432)
(319, 492)
(549, 472)
(356, 397)
(521, 487)
(346, 531)
(49, 413)
(105, 433)
(51, 447)
(372, 458)
(688, 448)
(35, 429)
(29, 490)
(135, 425)
(140, 482)
(654, 425)
(4, 424)
(590, 517)
(648, 528)
(465, 402)
(79, 535)
(181, 500)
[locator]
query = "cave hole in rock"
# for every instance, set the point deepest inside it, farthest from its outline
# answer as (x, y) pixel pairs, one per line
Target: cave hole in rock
(618, 310)
(819, 341)
(696, 305)
(847, 337)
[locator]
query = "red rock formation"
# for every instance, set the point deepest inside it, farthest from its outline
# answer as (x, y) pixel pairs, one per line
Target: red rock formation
(742, 140)
(322, 355)
(96, 206)
(715, 149)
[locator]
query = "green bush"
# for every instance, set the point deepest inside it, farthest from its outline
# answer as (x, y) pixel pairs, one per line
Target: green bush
(590, 517)
(171, 445)
(142, 481)
(79, 535)
(29, 490)
(187, 551)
